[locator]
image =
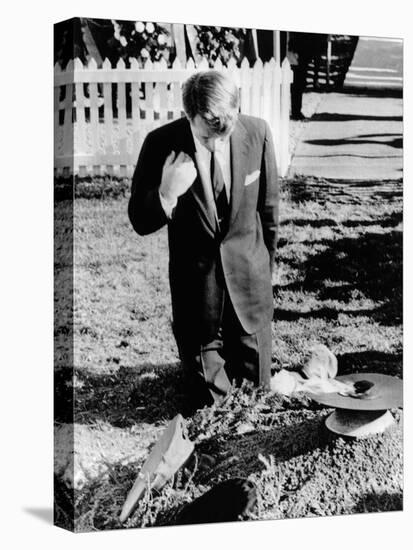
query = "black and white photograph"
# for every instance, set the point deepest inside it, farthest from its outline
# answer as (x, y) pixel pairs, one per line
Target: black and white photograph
(228, 226)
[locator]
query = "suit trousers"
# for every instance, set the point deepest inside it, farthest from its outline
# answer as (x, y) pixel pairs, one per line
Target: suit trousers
(231, 356)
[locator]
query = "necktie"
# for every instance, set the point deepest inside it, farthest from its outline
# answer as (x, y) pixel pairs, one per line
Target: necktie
(220, 194)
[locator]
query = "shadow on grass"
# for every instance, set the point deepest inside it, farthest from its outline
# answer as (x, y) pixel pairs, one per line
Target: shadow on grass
(369, 266)
(372, 263)
(322, 190)
(334, 117)
(396, 142)
(359, 91)
(327, 313)
(122, 398)
(389, 221)
(371, 361)
(379, 502)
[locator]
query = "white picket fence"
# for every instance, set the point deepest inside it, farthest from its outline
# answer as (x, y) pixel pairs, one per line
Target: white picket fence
(102, 115)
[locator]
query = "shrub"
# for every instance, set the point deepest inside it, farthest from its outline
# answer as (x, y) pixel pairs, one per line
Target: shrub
(102, 187)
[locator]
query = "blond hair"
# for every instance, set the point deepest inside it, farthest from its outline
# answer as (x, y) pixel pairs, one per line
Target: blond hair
(214, 97)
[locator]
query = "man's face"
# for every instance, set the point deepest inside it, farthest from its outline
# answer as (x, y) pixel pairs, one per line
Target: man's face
(210, 141)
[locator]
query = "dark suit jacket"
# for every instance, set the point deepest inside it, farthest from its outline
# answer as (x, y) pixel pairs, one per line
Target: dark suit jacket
(200, 258)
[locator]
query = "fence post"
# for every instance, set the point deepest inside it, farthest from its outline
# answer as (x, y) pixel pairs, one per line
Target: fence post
(135, 103)
(176, 92)
(277, 47)
(267, 93)
(56, 106)
(68, 128)
(80, 125)
(245, 85)
(94, 108)
(328, 61)
(218, 66)
(256, 89)
(202, 64)
(121, 108)
(275, 116)
(108, 112)
(190, 64)
(285, 116)
(178, 35)
(233, 72)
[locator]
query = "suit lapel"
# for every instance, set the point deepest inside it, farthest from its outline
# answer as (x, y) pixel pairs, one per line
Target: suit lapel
(239, 154)
(200, 189)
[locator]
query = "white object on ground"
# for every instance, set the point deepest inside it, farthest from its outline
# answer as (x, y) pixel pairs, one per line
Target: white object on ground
(322, 363)
(170, 452)
(320, 371)
(284, 382)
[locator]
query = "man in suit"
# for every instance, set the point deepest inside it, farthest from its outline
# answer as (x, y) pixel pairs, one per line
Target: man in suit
(212, 177)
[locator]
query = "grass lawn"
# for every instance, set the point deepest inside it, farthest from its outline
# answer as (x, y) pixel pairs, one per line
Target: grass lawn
(338, 282)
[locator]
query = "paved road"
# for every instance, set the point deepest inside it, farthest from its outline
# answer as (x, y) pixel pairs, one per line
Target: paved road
(352, 137)
(377, 63)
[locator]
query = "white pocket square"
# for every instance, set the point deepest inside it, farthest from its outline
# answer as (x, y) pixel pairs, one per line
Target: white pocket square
(252, 177)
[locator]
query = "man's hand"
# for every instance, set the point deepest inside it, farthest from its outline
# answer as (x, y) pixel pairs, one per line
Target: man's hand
(178, 175)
